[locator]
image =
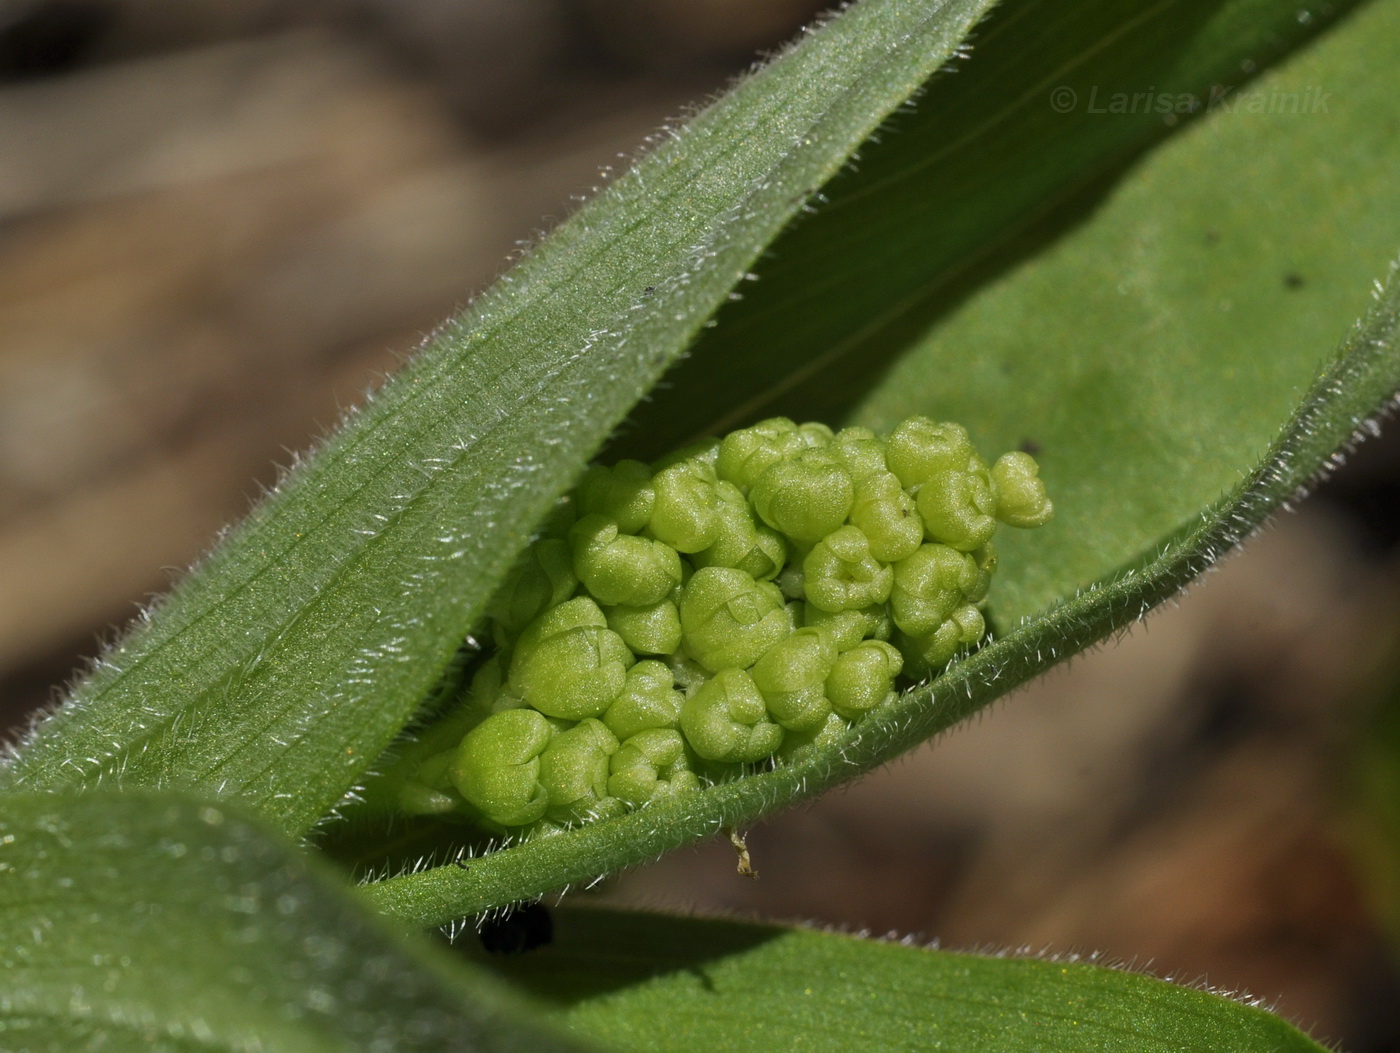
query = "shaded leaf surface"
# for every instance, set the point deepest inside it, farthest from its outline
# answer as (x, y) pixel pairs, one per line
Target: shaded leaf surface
(994, 161)
(146, 922)
(650, 982)
(1149, 355)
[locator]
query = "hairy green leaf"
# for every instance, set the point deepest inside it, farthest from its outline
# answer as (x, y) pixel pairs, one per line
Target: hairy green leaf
(649, 982)
(1349, 392)
(288, 661)
(149, 922)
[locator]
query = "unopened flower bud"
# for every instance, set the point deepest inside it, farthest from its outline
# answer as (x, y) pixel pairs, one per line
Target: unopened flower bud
(929, 586)
(728, 620)
(649, 700)
(726, 720)
(619, 568)
(497, 767)
(862, 678)
(920, 449)
(1020, 495)
(841, 574)
(622, 493)
(792, 678)
(805, 497)
(651, 765)
(574, 772)
(568, 664)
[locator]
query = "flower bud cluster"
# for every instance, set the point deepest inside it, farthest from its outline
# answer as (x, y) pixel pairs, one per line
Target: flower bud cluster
(737, 601)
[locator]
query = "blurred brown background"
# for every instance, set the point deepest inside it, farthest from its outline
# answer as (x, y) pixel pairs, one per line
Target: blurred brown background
(220, 222)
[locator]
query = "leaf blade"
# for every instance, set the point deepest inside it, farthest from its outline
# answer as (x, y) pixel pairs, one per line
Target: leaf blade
(984, 173)
(1210, 280)
(1341, 407)
(288, 661)
(644, 981)
(1359, 384)
(151, 922)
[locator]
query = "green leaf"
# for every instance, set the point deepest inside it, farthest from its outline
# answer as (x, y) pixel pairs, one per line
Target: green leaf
(986, 171)
(1109, 476)
(150, 922)
(1213, 279)
(649, 982)
(289, 660)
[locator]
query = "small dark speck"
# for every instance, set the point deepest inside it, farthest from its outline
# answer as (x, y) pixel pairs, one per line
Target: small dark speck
(1212, 237)
(1293, 280)
(649, 290)
(1031, 447)
(522, 928)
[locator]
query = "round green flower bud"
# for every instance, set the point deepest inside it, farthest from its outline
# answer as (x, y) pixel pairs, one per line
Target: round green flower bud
(574, 771)
(885, 513)
(848, 628)
(920, 449)
(415, 798)
(863, 678)
(841, 574)
(686, 512)
(804, 710)
(958, 509)
(929, 586)
(802, 659)
(805, 497)
(567, 664)
(860, 451)
(542, 578)
(855, 433)
(418, 778)
(579, 612)
(491, 692)
(726, 720)
(792, 582)
(622, 568)
(622, 493)
(1020, 495)
(800, 745)
(728, 620)
(428, 790)
(651, 765)
(704, 451)
(792, 678)
(497, 767)
(986, 560)
(928, 653)
(649, 700)
(746, 454)
(752, 547)
(653, 629)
